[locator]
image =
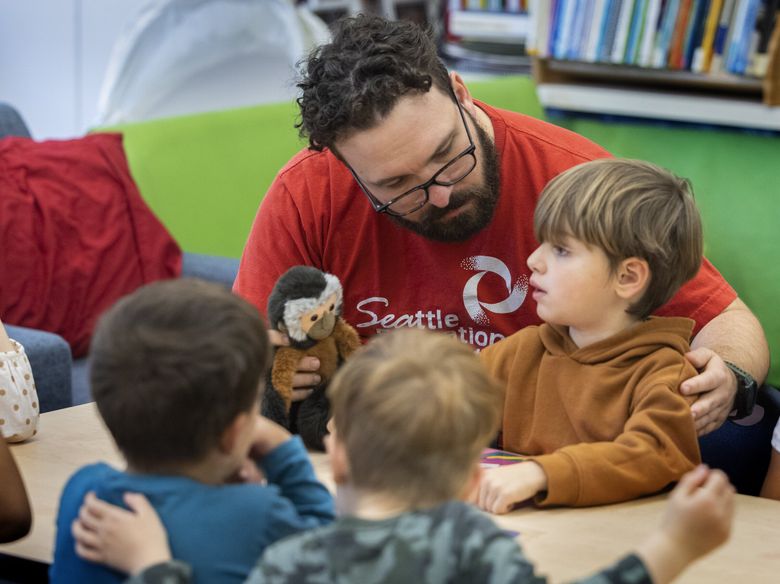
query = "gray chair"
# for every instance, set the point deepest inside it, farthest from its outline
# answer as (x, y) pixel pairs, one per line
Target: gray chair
(60, 380)
(11, 123)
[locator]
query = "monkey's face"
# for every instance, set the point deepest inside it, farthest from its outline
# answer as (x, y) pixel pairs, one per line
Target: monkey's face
(319, 322)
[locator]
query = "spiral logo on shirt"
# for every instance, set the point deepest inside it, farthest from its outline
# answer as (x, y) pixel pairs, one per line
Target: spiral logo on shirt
(516, 291)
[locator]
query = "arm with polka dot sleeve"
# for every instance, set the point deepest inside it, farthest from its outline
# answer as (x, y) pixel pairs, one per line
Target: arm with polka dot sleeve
(15, 514)
(19, 408)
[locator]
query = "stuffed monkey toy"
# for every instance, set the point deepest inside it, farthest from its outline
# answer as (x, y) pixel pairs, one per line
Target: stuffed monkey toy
(305, 304)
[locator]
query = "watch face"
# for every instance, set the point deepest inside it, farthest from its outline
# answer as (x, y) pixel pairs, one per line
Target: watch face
(747, 382)
(747, 389)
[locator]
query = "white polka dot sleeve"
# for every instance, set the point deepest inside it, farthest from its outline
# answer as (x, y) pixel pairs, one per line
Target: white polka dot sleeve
(776, 437)
(19, 409)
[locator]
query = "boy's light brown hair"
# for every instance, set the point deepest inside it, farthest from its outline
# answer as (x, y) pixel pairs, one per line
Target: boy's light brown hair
(414, 409)
(172, 365)
(627, 208)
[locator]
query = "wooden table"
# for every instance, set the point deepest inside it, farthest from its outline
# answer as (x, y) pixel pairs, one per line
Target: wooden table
(564, 543)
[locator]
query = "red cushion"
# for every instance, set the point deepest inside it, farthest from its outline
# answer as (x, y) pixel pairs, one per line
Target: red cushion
(75, 234)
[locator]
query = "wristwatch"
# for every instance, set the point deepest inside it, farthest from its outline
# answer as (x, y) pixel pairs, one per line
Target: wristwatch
(747, 389)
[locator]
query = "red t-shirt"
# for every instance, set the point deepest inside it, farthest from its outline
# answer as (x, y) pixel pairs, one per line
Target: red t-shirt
(315, 214)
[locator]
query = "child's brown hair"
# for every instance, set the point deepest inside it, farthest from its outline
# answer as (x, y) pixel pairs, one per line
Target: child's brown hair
(172, 365)
(628, 208)
(414, 410)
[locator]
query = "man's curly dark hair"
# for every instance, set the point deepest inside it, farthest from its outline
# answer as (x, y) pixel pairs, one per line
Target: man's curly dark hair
(355, 80)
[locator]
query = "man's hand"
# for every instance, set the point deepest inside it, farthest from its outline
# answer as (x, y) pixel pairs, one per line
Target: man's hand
(500, 488)
(129, 541)
(305, 377)
(716, 387)
(735, 335)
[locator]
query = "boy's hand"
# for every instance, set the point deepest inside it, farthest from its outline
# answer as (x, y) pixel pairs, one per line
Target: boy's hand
(129, 541)
(700, 510)
(267, 436)
(500, 488)
(697, 520)
(248, 472)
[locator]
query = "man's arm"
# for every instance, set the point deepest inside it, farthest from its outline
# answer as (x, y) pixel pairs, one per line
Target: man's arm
(735, 335)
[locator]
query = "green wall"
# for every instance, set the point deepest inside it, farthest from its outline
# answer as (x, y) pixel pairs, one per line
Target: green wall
(205, 175)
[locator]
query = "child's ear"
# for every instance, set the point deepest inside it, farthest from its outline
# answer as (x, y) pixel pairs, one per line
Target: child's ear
(633, 276)
(337, 452)
(231, 434)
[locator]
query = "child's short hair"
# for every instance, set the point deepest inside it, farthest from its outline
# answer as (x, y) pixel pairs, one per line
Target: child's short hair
(414, 410)
(172, 365)
(628, 208)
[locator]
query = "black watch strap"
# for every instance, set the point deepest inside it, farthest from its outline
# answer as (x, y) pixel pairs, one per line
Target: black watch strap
(747, 390)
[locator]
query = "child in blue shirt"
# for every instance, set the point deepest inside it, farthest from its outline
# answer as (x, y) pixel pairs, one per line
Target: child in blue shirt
(176, 370)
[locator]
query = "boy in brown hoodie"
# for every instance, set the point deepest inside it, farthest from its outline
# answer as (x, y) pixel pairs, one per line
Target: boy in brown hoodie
(591, 395)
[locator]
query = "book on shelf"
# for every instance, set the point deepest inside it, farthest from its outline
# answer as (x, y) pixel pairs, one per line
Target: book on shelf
(582, 14)
(664, 36)
(750, 40)
(597, 24)
(489, 5)
(678, 36)
(765, 24)
(563, 34)
(649, 34)
(635, 32)
(555, 25)
(702, 55)
(722, 34)
(621, 35)
(610, 31)
(701, 36)
(538, 30)
(736, 35)
(695, 32)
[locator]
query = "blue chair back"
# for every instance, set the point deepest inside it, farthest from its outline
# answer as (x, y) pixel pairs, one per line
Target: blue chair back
(742, 448)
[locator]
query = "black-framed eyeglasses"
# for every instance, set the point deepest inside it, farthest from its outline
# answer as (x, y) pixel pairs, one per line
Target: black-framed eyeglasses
(415, 198)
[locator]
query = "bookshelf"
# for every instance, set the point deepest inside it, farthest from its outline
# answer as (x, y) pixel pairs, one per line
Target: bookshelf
(634, 80)
(487, 33)
(334, 9)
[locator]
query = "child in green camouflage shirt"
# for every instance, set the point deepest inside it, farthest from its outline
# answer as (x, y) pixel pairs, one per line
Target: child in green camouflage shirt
(412, 412)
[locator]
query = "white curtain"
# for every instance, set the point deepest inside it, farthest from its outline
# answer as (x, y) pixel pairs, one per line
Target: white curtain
(182, 57)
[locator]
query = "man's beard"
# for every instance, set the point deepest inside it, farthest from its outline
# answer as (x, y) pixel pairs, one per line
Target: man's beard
(467, 223)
